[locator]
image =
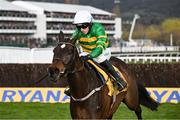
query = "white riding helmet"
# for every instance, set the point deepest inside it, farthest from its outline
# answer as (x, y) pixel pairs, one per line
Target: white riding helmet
(83, 17)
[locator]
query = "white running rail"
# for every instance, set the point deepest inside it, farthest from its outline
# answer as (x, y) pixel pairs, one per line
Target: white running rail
(15, 55)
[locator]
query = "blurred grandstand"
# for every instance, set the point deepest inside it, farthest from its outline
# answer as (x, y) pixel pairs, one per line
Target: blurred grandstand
(37, 24)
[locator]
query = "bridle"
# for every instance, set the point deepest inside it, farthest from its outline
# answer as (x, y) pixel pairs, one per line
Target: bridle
(66, 72)
(74, 71)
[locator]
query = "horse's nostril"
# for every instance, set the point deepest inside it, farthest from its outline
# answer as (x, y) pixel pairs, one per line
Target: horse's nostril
(56, 71)
(53, 71)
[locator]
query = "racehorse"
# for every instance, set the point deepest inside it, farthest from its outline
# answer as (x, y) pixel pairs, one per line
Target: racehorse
(89, 98)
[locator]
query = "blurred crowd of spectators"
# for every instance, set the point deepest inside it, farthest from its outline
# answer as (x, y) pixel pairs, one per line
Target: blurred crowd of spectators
(103, 17)
(20, 41)
(109, 27)
(71, 15)
(59, 15)
(52, 40)
(59, 26)
(18, 25)
(17, 14)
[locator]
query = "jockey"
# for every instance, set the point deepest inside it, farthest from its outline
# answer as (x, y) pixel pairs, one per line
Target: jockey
(93, 43)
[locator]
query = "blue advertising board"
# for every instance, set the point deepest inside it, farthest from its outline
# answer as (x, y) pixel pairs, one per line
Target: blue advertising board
(56, 95)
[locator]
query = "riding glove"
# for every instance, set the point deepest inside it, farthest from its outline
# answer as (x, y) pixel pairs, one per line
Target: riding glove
(85, 58)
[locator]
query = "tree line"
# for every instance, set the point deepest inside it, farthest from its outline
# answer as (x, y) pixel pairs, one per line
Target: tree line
(160, 33)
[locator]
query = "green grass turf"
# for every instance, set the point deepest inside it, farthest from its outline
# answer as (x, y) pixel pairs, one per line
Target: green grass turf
(61, 111)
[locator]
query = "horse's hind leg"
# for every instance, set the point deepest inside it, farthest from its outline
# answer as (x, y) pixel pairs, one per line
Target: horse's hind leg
(136, 109)
(138, 112)
(132, 101)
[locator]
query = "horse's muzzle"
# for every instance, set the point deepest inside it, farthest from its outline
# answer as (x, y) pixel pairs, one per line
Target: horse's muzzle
(55, 73)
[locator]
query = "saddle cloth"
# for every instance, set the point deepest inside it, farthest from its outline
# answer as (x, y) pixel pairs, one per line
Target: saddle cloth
(108, 79)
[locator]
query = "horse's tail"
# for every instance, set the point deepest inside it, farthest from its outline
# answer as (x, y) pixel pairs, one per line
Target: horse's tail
(145, 99)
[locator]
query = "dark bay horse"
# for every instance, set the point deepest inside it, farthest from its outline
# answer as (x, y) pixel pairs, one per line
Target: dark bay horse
(89, 96)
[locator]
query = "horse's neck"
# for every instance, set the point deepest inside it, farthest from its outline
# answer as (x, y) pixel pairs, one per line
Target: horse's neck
(83, 81)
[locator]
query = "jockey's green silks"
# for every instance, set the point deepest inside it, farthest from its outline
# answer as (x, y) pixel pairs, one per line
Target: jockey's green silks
(94, 42)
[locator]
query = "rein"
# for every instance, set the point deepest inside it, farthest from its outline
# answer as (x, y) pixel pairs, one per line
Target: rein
(41, 79)
(88, 95)
(77, 70)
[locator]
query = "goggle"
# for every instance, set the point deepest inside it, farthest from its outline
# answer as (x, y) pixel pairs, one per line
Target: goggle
(83, 26)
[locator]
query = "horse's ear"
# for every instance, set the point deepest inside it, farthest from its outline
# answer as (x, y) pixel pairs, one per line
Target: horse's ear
(73, 41)
(61, 36)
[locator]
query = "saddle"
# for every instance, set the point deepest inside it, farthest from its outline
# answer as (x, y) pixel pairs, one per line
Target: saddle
(105, 77)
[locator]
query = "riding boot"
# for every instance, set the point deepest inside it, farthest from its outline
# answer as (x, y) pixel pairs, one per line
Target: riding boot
(120, 82)
(67, 91)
